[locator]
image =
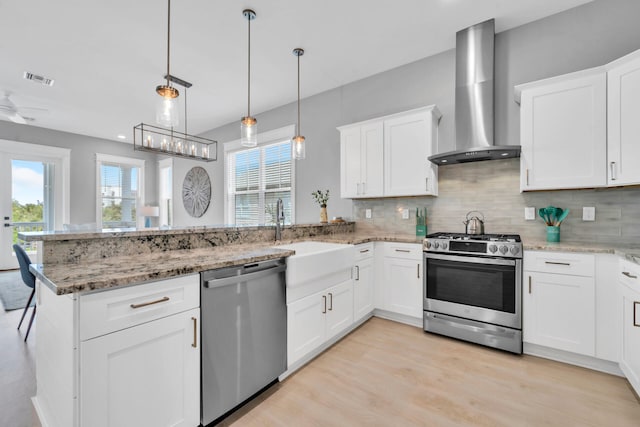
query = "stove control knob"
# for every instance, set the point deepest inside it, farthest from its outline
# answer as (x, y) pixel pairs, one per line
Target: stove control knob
(436, 245)
(443, 245)
(514, 250)
(427, 244)
(503, 249)
(493, 249)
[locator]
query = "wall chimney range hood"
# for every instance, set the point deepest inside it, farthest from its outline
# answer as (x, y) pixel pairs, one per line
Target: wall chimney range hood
(474, 99)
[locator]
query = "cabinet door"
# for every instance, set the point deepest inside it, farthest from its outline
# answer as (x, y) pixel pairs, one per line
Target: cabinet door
(630, 351)
(350, 162)
(305, 326)
(563, 133)
(372, 160)
(147, 375)
(559, 312)
(623, 92)
(407, 142)
(403, 285)
(339, 314)
(363, 288)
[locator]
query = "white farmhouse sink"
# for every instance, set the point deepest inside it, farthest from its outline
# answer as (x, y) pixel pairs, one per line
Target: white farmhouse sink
(315, 261)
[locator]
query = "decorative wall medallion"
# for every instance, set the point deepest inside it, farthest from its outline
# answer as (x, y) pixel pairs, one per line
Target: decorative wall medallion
(196, 192)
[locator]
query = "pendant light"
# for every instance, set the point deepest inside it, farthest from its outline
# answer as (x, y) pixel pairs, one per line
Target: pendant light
(297, 142)
(248, 124)
(167, 106)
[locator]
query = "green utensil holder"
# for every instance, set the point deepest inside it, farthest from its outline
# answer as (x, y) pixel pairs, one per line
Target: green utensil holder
(421, 230)
(553, 233)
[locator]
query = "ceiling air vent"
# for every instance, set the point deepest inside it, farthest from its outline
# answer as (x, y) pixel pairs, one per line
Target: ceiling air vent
(38, 79)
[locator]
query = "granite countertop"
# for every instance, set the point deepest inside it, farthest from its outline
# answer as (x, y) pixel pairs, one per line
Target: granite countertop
(629, 250)
(120, 271)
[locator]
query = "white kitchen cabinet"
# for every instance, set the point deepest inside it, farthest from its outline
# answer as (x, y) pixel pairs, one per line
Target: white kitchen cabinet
(623, 110)
(363, 281)
(559, 301)
(607, 308)
(563, 131)
(361, 153)
(387, 156)
(147, 375)
(629, 283)
(121, 356)
(409, 139)
(315, 319)
(402, 288)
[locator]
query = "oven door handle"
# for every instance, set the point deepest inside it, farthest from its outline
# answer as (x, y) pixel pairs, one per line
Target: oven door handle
(471, 259)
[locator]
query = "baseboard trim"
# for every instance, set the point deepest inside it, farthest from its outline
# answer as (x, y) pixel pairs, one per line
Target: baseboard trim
(573, 359)
(397, 317)
(39, 411)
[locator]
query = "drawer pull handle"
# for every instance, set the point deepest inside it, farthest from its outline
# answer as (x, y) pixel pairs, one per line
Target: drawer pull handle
(613, 171)
(357, 272)
(529, 284)
(629, 275)
(418, 270)
(330, 301)
(635, 313)
(558, 263)
(195, 332)
(364, 251)
(324, 299)
(144, 304)
(406, 251)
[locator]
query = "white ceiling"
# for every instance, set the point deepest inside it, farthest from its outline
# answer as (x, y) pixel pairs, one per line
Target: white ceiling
(108, 56)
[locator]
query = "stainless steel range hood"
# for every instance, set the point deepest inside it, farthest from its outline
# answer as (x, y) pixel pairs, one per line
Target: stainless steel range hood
(474, 99)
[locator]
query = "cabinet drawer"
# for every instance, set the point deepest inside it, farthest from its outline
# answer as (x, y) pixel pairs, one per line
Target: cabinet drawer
(364, 251)
(560, 263)
(629, 274)
(112, 310)
(403, 250)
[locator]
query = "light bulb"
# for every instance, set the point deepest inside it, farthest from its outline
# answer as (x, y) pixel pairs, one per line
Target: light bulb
(167, 112)
(249, 131)
(297, 147)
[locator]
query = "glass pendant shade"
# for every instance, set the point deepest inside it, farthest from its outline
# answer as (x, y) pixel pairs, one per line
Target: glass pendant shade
(167, 111)
(249, 131)
(297, 147)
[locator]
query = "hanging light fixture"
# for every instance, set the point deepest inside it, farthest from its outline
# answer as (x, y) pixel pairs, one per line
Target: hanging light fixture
(167, 106)
(248, 124)
(297, 142)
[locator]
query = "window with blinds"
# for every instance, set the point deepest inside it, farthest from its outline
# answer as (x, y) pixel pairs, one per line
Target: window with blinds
(256, 179)
(118, 192)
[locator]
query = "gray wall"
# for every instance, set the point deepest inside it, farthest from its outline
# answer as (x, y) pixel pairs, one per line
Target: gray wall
(584, 37)
(83, 164)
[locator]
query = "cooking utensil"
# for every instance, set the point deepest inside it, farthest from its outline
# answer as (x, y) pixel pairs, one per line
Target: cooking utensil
(474, 225)
(562, 216)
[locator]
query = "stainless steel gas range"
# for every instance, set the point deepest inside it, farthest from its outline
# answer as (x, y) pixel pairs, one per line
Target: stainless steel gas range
(472, 288)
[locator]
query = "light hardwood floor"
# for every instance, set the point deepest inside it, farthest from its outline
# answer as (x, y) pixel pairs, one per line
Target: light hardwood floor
(389, 374)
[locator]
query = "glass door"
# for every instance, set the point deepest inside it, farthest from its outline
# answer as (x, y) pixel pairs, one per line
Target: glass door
(34, 199)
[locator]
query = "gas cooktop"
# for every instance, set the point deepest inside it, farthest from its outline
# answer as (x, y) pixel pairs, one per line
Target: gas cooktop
(494, 245)
(481, 237)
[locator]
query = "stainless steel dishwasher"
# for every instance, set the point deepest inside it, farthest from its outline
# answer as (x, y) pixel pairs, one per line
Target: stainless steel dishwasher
(244, 334)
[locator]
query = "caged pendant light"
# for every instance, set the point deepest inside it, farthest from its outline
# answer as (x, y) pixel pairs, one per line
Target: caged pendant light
(167, 106)
(248, 124)
(298, 141)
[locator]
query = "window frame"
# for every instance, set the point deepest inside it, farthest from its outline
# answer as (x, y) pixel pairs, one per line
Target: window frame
(121, 160)
(276, 136)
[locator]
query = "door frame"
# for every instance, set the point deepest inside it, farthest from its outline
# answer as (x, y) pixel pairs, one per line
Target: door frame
(61, 158)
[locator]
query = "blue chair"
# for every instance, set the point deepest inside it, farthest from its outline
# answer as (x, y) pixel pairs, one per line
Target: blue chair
(30, 280)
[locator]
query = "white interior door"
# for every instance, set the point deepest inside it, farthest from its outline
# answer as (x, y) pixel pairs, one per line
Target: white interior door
(35, 197)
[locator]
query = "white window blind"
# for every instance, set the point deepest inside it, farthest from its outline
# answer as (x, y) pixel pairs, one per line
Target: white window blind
(120, 186)
(256, 179)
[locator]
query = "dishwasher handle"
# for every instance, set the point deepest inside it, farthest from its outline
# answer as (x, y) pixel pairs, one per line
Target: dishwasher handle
(216, 283)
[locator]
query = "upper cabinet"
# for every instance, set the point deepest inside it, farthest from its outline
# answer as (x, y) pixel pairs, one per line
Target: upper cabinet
(580, 130)
(387, 156)
(563, 131)
(623, 102)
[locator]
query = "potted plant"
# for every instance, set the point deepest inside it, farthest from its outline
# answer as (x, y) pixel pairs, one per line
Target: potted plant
(322, 198)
